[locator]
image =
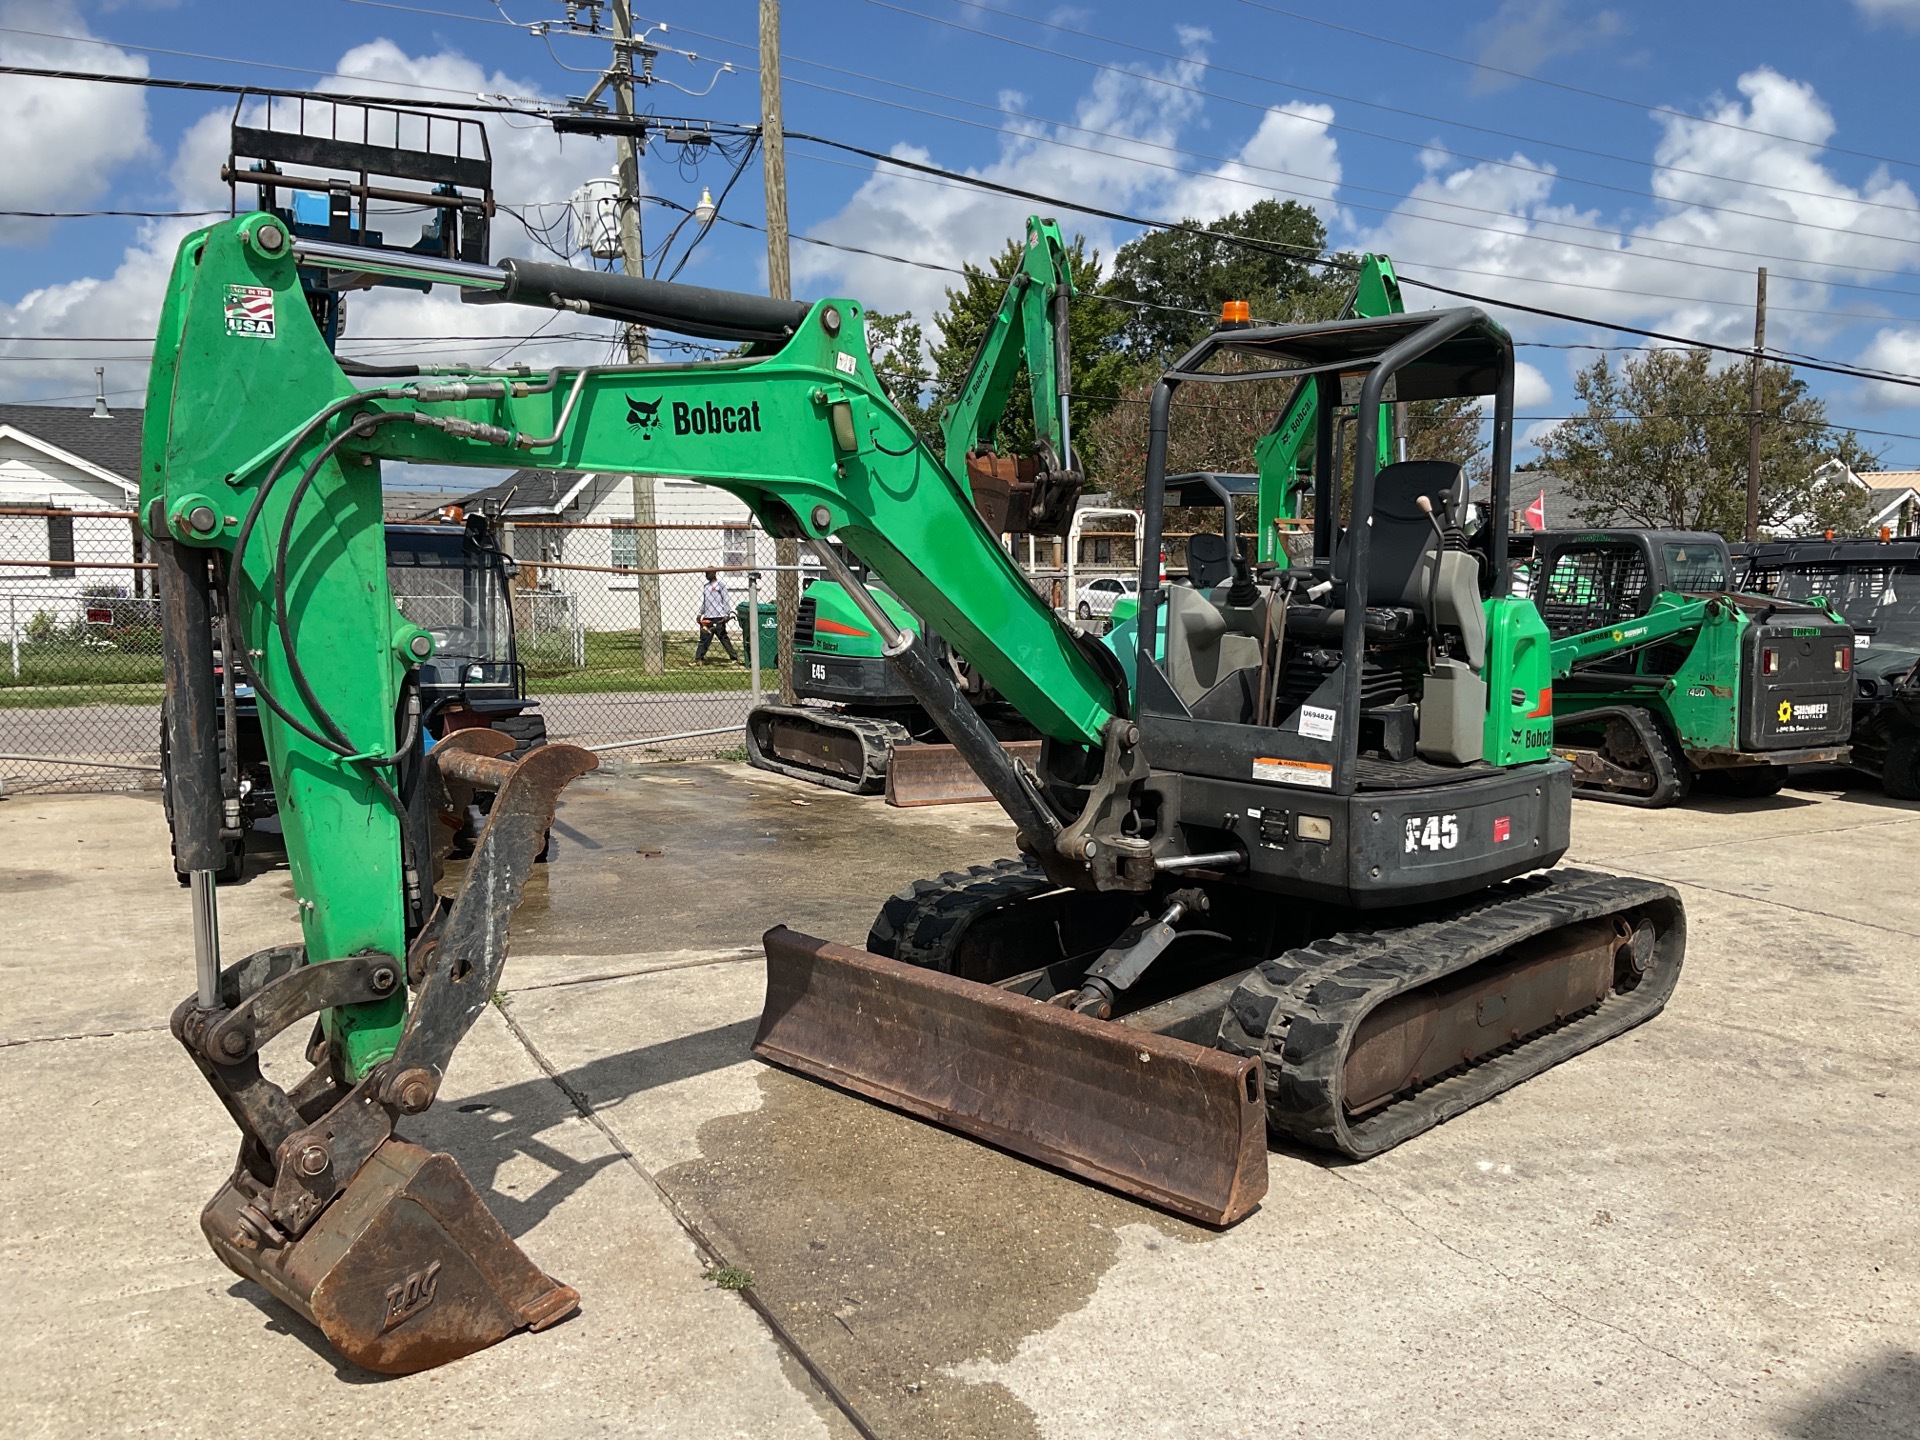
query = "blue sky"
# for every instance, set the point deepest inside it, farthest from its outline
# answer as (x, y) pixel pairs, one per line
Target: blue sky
(1657, 155)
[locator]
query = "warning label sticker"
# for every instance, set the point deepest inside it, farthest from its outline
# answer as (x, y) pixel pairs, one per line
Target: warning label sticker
(1310, 773)
(249, 311)
(1316, 722)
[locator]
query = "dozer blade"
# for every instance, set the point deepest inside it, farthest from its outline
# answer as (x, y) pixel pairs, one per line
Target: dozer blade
(406, 1270)
(1178, 1125)
(939, 775)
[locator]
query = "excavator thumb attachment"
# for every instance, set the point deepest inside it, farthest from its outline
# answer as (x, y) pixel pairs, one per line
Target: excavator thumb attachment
(1178, 1125)
(406, 1270)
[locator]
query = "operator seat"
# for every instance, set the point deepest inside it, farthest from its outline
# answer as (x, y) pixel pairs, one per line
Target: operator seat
(1207, 560)
(1403, 553)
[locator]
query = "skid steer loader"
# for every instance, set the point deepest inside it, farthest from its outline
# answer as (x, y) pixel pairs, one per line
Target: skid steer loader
(1294, 876)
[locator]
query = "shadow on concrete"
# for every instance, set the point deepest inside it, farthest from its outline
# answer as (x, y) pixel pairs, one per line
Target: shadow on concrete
(1883, 1403)
(486, 1131)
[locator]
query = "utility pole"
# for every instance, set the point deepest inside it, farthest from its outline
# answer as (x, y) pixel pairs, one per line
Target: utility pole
(1754, 413)
(773, 151)
(633, 260)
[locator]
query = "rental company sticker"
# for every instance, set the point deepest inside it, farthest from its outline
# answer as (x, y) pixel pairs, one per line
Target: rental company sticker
(1310, 773)
(249, 311)
(1316, 722)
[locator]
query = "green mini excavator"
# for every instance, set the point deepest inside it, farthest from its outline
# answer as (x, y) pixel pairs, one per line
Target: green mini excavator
(1295, 876)
(866, 732)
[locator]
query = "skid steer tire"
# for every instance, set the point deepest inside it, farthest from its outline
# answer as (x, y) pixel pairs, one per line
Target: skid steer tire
(1900, 776)
(528, 731)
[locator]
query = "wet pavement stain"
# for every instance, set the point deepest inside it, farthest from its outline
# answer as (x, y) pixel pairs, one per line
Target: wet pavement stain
(712, 855)
(893, 1250)
(14, 882)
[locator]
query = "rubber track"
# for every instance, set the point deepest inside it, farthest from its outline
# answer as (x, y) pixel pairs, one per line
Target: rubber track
(1672, 775)
(877, 739)
(1300, 1012)
(921, 925)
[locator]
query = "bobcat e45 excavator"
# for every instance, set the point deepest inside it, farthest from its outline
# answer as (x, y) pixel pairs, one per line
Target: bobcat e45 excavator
(1294, 877)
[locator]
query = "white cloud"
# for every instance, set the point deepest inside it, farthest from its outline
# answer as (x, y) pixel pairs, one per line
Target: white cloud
(1896, 350)
(529, 164)
(1898, 12)
(64, 140)
(952, 224)
(1529, 241)
(1524, 34)
(1292, 154)
(1293, 140)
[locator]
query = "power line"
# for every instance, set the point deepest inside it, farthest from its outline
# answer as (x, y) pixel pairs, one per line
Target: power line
(1417, 145)
(1332, 95)
(227, 60)
(1078, 208)
(1248, 242)
(1554, 84)
(212, 87)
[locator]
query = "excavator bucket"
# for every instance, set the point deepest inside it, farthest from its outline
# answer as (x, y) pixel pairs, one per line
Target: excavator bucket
(406, 1270)
(940, 775)
(1177, 1125)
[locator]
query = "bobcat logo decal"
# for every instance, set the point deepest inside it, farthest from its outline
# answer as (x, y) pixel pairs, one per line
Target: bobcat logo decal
(643, 415)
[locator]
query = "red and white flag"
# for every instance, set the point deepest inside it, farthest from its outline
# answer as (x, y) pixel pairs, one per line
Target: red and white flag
(1536, 514)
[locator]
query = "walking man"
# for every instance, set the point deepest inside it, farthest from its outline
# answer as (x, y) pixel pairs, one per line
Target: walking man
(716, 609)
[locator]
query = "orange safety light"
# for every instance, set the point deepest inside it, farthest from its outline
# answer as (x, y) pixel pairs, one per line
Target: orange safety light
(1235, 312)
(1886, 533)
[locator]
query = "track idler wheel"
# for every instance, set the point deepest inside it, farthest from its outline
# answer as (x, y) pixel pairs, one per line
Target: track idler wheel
(406, 1270)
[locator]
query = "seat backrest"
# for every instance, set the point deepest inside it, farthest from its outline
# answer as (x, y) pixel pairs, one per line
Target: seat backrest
(1402, 537)
(1207, 562)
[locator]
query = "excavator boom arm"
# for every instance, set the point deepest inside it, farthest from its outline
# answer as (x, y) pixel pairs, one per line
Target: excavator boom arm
(1030, 324)
(1285, 452)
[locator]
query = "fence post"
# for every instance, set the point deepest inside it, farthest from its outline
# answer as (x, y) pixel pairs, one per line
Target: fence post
(13, 629)
(753, 632)
(646, 559)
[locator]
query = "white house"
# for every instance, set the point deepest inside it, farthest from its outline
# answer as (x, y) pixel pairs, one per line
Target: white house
(574, 536)
(64, 471)
(1893, 496)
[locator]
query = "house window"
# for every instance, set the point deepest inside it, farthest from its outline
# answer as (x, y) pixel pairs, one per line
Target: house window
(736, 546)
(626, 548)
(60, 545)
(1102, 552)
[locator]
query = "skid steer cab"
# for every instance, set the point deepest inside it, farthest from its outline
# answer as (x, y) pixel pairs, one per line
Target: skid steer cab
(451, 578)
(1667, 675)
(1875, 584)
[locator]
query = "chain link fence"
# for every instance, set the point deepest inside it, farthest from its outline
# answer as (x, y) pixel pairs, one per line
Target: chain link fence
(635, 636)
(80, 672)
(640, 634)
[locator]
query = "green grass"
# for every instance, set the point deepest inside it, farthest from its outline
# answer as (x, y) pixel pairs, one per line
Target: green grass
(61, 675)
(615, 662)
(730, 1277)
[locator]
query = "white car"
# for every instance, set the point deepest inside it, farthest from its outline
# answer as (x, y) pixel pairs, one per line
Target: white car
(1097, 597)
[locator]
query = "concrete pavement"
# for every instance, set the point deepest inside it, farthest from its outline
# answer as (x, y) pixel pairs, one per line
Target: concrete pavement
(1708, 1227)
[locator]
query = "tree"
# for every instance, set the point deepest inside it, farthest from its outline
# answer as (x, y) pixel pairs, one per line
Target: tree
(1191, 271)
(898, 349)
(1663, 443)
(1097, 370)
